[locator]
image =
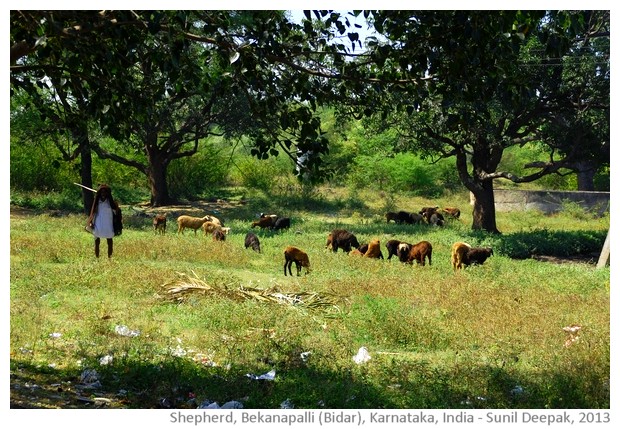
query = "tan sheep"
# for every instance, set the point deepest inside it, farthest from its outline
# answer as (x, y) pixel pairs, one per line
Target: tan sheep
(374, 250)
(209, 227)
(459, 254)
(191, 222)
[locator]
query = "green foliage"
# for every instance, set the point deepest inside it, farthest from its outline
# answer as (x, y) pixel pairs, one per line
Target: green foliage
(199, 175)
(521, 245)
(402, 172)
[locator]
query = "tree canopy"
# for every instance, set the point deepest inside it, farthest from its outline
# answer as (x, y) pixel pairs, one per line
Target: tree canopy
(462, 84)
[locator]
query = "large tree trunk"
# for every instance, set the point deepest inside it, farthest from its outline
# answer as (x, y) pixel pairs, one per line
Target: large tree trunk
(585, 175)
(484, 208)
(158, 182)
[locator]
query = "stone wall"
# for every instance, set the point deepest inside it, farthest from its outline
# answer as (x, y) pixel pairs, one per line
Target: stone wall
(549, 201)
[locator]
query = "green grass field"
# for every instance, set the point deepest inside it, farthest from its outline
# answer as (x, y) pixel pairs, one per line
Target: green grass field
(490, 336)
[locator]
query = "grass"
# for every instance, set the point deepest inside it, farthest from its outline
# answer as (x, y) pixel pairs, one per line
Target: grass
(437, 339)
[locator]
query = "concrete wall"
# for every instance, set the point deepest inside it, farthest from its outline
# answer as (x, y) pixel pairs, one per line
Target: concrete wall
(549, 201)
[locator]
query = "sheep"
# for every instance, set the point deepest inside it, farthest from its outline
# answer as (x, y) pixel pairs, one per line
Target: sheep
(251, 240)
(437, 219)
(218, 235)
(191, 222)
(427, 212)
(420, 252)
(452, 212)
(215, 220)
(403, 251)
(374, 250)
(464, 254)
(392, 248)
(408, 218)
(477, 255)
(159, 223)
(357, 252)
(264, 222)
(391, 216)
(210, 227)
(294, 254)
(343, 239)
(459, 254)
(282, 223)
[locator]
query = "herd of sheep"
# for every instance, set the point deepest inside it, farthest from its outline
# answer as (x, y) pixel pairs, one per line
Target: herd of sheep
(462, 254)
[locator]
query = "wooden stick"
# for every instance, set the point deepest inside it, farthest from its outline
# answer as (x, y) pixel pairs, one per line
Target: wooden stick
(86, 187)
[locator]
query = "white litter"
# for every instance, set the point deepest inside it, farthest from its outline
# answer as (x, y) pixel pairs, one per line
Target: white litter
(362, 356)
(271, 375)
(125, 331)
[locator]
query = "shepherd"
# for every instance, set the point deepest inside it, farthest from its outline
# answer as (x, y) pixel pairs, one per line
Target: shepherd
(105, 218)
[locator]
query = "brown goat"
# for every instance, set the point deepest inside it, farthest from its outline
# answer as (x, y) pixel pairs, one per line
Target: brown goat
(219, 235)
(419, 252)
(159, 223)
(299, 257)
(392, 248)
(477, 255)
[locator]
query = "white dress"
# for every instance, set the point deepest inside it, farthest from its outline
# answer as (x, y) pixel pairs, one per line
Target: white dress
(103, 228)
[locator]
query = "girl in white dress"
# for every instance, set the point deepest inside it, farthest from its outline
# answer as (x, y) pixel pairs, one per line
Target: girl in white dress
(101, 218)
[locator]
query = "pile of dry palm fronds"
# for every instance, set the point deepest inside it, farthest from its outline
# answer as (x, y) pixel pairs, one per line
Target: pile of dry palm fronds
(179, 290)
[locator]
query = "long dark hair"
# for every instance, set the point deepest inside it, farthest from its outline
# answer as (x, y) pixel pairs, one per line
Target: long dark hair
(102, 188)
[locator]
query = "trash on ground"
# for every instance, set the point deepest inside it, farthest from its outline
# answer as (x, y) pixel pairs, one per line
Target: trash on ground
(271, 375)
(125, 331)
(362, 356)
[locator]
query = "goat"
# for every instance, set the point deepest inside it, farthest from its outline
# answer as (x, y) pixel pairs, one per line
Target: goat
(299, 257)
(251, 240)
(437, 219)
(343, 239)
(464, 254)
(419, 252)
(427, 212)
(159, 223)
(191, 222)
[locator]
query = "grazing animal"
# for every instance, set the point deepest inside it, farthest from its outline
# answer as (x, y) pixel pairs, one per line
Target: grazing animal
(408, 218)
(342, 239)
(391, 216)
(437, 219)
(374, 250)
(403, 251)
(191, 222)
(463, 254)
(427, 212)
(477, 255)
(251, 240)
(219, 235)
(392, 248)
(210, 227)
(159, 223)
(265, 222)
(458, 254)
(282, 223)
(299, 257)
(357, 252)
(452, 211)
(420, 252)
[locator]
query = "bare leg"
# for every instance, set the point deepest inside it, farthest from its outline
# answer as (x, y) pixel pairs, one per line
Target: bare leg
(110, 247)
(97, 242)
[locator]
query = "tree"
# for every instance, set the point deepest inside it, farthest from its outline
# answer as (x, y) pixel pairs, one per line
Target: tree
(462, 84)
